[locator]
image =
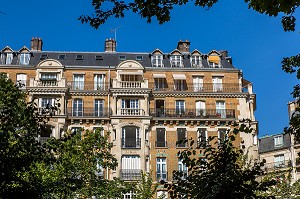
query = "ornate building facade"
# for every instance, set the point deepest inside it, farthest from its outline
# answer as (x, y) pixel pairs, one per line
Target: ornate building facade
(148, 101)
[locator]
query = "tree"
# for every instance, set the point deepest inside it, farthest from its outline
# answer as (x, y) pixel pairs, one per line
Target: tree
(161, 9)
(220, 172)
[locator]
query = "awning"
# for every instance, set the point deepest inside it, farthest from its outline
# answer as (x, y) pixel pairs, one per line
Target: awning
(179, 76)
(159, 75)
(130, 72)
(214, 59)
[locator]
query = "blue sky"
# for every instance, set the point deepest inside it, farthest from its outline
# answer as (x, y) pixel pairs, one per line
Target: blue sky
(256, 42)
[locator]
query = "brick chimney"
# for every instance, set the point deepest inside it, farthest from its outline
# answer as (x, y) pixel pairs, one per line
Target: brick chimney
(110, 45)
(36, 44)
(183, 46)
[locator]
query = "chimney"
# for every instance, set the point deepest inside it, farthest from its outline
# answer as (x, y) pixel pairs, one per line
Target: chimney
(183, 46)
(110, 45)
(36, 44)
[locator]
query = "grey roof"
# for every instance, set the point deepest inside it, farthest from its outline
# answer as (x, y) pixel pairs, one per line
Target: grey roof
(111, 59)
(266, 144)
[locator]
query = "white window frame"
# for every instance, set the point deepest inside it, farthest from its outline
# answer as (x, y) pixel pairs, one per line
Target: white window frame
(221, 108)
(196, 61)
(22, 78)
(198, 83)
(44, 102)
(98, 107)
(161, 169)
(279, 160)
(176, 61)
(157, 60)
(180, 106)
(159, 83)
(77, 108)
(78, 80)
(217, 84)
(182, 167)
(219, 134)
(137, 137)
(200, 108)
(24, 58)
(278, 141)
(48, 76)
(6, 58)
(200, 137)
(99, 81)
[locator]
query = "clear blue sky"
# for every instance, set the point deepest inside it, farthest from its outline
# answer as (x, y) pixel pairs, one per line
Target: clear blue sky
(256, 42)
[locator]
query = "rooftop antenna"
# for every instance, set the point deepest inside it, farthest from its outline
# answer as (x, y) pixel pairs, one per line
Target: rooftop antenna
(115, 30)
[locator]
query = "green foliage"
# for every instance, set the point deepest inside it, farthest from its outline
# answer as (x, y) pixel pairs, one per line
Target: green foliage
(145, 188)
(218, 170)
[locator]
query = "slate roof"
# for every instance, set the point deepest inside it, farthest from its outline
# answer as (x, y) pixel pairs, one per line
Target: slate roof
(110, 59)
(266, 144)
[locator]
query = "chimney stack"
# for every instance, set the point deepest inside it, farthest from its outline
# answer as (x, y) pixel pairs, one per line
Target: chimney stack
(110, 45)
(183, 46)
(36, 44)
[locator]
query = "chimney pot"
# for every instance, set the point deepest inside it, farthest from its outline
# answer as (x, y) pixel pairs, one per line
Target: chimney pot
(36, 44)
(110, 45)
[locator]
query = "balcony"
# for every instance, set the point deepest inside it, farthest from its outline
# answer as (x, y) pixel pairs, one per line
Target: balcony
(87, 85)
(131, 112)
(47, 83)
(273, 166)
(130, 174)
(193, 113)
(131, 143)
(162, 176)
(200, 88)
(87, 112)
(130, 84)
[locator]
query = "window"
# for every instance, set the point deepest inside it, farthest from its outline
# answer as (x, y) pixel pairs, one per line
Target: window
(198, 83)
(78, 82)
(139, 58)
(181, 137)
(175, 61)
(43, 56)
(130, 195)
(220, 109)
(214, 61)
(99, 57)
(77, 107)
(21, 79)
(99, 108)
(182, 168)
(180, 85)
(131, 137)
(217, 84)
(79, 57)
(100, 129)
(6, 58)
(131, 167)
(161, 137)
(24, 58)
(279, 160)
(180, 107)
(157, 60)
(196, 61)
(99, 169)
(46, 102)
(278, 141)
(76, 130)
(61, 57)
(160, 84)
(222, 135)
(161, 169)
(130, 107)
(202, 136)
(122, 57)
(254, 139)
(99, 82)
(49, 76)
(200, 109)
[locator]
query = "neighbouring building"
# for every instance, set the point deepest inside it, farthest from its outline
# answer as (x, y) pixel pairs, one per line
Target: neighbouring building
(148, 101)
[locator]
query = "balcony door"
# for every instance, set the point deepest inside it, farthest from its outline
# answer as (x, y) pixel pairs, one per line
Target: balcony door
(99, 107)
(160, 107)
(198, 83)
(200, 109)
(161, 169)
(99, 82)
(77, 107)
(130, 107)
(131, 167)
(217, 84)
(220, 109)
(180, 107)
(131, 137)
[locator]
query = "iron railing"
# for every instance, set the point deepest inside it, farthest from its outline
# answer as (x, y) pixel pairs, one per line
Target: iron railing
(131, 142)
(269, 167)
(88, 112)
(205, 87)
(130, 174)
(87, 85)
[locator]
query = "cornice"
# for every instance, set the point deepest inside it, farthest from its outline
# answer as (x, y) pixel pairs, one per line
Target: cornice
(196, 94)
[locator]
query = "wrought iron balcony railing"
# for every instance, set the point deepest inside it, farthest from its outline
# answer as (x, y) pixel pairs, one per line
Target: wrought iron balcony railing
(192, 113)
(204, 87)
(88, 112)
(269, 167)
(162, 176)
(130, 174)
(131, 142)
(87, 85)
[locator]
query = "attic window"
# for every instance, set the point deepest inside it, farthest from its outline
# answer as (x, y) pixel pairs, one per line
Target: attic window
(62, 57)
(278, 141)
(99, 57)
(122, 57)
(139, 58)
(79, 57)
(43, 56)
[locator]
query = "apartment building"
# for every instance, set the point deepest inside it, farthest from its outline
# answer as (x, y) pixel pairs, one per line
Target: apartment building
(148, 101)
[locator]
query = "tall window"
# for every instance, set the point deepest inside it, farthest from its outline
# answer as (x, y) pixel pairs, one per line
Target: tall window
(220, 109)
(49, 76)
(182, 168)
(222, 135)
(161, 169)
(130, 107)
(180, 85)
(131, 167)
(21, 79)
(160, 83)
(99, 107)
(202, 136)
(157, 60)
(6, 58)
(180, 107)
(181, 137)
(279, 160)
(214, 61)
(131, 137)
(78, 82)
(217, 84)
(176, 61)
(198, 83)
(77, 107)
(24, 58)
(161, 137)
(99, 82)
(46, 102)
(196, 61)
(200, 109)
(278, 141)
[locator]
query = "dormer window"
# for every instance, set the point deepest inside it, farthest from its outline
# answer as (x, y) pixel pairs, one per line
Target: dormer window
(44, 56)
(6, 58)
(122, 57)
(278, 141)
(214, 61)
(196, 61)
(176, 61)
(61, 57)
(139, 58)
(79, 57)
(99, 57)
(157, 60)
(24, 58)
